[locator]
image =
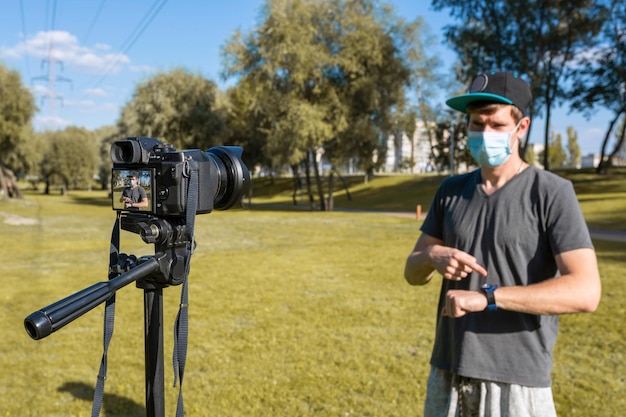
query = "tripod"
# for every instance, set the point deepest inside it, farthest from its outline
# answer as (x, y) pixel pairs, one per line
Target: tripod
(168, 266)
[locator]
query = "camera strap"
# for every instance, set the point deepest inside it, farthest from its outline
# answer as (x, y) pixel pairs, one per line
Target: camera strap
(181, 326)
(109, 319)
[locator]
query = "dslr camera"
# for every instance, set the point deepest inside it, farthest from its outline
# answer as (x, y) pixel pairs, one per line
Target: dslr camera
(152, 177)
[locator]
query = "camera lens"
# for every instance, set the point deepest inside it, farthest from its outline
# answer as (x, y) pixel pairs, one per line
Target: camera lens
(233, 178)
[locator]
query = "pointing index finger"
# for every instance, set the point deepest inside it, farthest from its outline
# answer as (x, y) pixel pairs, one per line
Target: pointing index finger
(471, 262)
(478, 268)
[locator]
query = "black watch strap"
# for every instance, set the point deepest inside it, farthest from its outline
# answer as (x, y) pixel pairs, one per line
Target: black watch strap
(488, 290)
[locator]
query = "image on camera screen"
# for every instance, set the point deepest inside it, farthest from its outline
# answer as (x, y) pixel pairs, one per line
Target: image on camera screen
(132, 189)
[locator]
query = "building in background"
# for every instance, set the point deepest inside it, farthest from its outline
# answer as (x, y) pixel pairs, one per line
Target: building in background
(410, 155)
(590, 160)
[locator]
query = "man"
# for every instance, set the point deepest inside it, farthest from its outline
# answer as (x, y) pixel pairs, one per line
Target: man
(134, 196)
(514, 251)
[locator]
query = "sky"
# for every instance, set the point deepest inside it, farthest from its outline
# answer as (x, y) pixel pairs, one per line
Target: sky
(82, 59)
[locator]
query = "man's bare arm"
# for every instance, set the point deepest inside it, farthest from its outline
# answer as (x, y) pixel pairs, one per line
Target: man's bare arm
(576, 290)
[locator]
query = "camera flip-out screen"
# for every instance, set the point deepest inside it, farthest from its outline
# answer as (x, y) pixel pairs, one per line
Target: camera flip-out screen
(132, 189)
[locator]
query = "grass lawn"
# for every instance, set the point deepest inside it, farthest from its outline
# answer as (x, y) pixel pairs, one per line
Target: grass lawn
(292, 313)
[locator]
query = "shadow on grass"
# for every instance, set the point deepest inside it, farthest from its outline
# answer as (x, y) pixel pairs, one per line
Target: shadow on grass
(598, 197)
(278, 207)
(402, 196)
(112, 405)
(92, 201)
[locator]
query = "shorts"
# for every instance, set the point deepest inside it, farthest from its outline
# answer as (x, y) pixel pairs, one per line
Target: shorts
(480, 398)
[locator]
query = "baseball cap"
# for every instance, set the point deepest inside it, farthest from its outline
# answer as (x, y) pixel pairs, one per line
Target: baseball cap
(500, 87)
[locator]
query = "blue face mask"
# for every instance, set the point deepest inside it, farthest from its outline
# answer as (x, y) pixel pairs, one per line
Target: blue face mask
(490, 149)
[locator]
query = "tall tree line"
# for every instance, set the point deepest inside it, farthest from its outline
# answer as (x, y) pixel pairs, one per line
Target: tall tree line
(328, 75)
(340, 77)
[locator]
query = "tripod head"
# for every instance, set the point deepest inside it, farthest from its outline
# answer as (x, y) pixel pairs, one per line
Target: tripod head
(168, 266)
(172, 244)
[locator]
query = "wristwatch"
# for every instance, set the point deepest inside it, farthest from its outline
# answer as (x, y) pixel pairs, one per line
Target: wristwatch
(488, 290)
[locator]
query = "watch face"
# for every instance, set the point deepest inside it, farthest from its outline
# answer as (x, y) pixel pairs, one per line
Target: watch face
(489, 287)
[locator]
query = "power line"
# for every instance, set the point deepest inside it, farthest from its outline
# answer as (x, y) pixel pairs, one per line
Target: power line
(23, 18)
(95, 19)
(50, 29)
(132, 38)
(143, 25)
(46, 21)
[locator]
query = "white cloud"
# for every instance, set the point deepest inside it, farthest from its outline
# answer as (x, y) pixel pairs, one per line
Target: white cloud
(101, 108)
(79, 103)
(64, 47)
(103, 46)
(40, 90)
(142, 68)
(50, 123)
(98, 92)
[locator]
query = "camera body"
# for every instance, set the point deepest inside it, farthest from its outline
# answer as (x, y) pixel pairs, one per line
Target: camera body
(161, 177)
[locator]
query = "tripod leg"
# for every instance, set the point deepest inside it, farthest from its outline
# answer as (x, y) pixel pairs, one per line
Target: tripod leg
(153, 306)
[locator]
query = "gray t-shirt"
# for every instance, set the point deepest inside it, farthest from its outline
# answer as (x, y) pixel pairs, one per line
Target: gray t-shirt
(515, 234)
(136, 194)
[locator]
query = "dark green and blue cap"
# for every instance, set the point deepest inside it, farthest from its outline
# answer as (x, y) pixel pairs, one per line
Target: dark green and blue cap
(499, 87)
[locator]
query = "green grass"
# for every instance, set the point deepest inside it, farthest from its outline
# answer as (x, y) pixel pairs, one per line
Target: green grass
(292, 313)
(602, 198)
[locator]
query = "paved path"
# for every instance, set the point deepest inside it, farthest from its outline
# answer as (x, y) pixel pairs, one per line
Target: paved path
(610, 235)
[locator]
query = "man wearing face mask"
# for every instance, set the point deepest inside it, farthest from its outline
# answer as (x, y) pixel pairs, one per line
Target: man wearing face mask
(134, 196)
(514, 252)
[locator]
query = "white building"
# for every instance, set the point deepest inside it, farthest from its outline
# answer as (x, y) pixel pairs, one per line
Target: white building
(411, 155)
(590, 160)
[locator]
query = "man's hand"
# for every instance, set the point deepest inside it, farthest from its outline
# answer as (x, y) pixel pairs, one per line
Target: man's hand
(430, 255)
(454, 264)
(460, 302)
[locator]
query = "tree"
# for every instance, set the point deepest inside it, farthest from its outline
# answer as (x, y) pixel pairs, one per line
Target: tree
(403, 122)
(599, 79)
(539, 38)
(324, 75)
(450, 146)
(104, 138)
(620, 138)
(573, 150)
(17, 108)
(282, 61)
(426, 82)
(32, 151)
(71, 159)
(529, 157)
(244, 125)
(556, 153)
(287, 61)
(175, 107)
